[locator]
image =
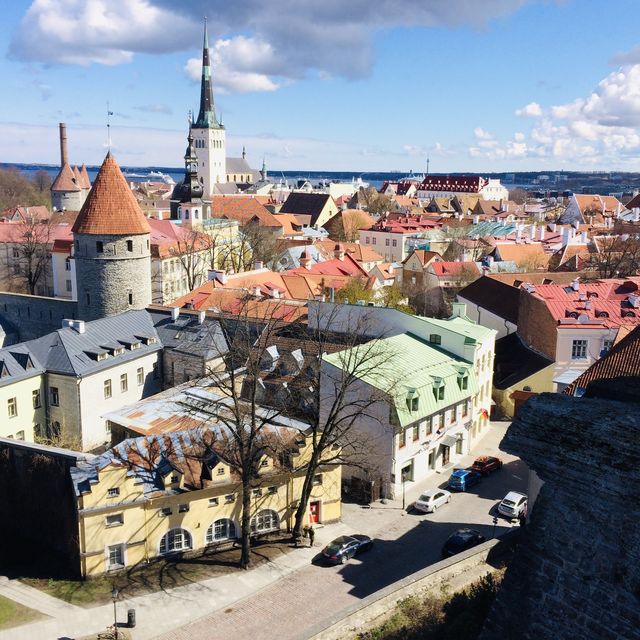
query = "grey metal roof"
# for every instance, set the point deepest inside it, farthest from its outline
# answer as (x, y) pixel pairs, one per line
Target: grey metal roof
(17, 363)
(187, 335)
(68, 352)
(239, 165)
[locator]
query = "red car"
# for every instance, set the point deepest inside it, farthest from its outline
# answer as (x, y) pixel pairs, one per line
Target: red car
(486, 464)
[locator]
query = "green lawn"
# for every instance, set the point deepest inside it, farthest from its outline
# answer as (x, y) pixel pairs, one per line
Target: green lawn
(157, 576)
(13, 614)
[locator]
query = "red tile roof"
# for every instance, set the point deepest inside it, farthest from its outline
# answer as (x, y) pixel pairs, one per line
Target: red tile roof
(169, 239)
(111, 208)
(65, 180)
(608, 303)
(347, 266)
(243, 209)
(85, 183)
(451, 269)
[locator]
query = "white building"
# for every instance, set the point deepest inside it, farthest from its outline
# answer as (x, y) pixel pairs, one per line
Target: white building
(427, 402)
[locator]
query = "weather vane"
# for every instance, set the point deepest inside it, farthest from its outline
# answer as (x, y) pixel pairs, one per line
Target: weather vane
(109, 114)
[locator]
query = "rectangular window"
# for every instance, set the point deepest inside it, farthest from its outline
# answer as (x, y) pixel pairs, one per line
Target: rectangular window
(230, 498)
(579, 349)
(124, 383)
(465, 408)
(115, 557)
(20, 435)
(140, 376)
(373, 241)
(107, 388)
(394, 243)
(114, 520)
(416, 432)
(403, 438)
(273, 490)
(129, 246)
(175, 478)
(317, 480)
(156, 373)
(54, 396)
(386, 242)
(430, 426)
(99, 247)
(257, 493)
(68, 285)
(213, 502)
(113, 493)
(12, 407)
(15, 252)
(608, 343)
(220, 471)
(166, 511)
(183, 508)
(35, 396)
(367, 240)
(434, 338)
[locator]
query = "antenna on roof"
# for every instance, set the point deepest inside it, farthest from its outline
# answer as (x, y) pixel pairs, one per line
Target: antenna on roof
(109, 114)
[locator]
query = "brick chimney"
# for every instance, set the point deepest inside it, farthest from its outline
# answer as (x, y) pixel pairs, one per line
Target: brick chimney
(63, 144)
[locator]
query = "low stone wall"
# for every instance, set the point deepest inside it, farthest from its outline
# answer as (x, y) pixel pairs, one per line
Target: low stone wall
(353, 619)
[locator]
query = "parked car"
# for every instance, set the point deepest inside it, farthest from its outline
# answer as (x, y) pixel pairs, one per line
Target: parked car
(484, 465)
(341, 549)
(461, 540)
(513, 504)
(430, 500)
(462, 479)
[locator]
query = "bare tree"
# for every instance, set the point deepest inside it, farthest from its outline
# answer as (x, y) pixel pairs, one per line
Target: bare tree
(335, 403)
(255, 243)
(193, 251)
(32, 253)
(617, 256)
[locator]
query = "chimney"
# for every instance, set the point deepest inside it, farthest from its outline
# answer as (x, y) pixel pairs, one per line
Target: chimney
(476, 219)
(258, 264)
(175, 312)
(565, 236)
(391, 269)
(215, 274)
(338, 251)
(583, 237)
(305, 260)
(533, 231)
(518, 234)
(63, 144)
(542, 233)
(77, 325)
(636, 214)
(257, 293)
(552, 227)
(575, 284)
(201, 316)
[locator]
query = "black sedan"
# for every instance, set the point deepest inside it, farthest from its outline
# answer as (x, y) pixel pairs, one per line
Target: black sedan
(341, 549)
(461, 540)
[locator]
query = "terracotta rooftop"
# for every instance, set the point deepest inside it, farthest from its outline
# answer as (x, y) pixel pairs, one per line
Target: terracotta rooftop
(244, 210)
(451, 269)
(65, 180)
(111, 208)
(85, 183)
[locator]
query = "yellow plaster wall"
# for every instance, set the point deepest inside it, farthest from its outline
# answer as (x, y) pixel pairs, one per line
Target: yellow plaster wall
(538, 383)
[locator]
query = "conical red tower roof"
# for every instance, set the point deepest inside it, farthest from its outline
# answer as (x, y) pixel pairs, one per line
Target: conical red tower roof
(65, 180)
(111, 208)
(84, 175)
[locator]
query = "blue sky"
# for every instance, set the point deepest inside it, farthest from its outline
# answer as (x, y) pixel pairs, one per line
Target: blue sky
(356, 86)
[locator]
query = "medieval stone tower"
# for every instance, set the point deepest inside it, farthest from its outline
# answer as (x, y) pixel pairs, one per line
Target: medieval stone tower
(209, 134)
(111, 248)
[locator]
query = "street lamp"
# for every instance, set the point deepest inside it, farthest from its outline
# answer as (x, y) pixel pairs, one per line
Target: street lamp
(114, 597)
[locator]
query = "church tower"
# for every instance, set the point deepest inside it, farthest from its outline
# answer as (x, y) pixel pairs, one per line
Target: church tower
(208, 132)
(111, 248)
(190, 191)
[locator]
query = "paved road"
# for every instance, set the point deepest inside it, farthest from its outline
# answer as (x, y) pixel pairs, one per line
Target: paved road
(404, 544)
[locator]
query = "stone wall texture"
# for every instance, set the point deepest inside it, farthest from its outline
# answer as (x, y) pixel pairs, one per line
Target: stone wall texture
(30, 317)
(577, 571)
(106, 278)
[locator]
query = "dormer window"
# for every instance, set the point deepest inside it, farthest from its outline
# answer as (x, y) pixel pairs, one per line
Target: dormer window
(463, 381)
(118, 351)
(413, 400)
(438, 389)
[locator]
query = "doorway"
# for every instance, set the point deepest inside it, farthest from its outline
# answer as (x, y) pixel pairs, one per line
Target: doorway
(445, 454)
(459, 445)
(314, 512)
(432, 459)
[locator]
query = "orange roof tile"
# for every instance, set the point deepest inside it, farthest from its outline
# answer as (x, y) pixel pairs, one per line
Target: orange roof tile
(85, 183)
(111, 208)
(65, 180)
(244, 210)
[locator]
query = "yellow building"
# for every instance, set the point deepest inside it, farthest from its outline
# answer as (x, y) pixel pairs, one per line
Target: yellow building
(173, 493)
(22, 399)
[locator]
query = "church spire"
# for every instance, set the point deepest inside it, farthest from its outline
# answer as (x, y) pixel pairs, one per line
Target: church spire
(207, 114)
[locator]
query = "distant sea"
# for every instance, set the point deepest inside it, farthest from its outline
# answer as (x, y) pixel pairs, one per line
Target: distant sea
(141, 174)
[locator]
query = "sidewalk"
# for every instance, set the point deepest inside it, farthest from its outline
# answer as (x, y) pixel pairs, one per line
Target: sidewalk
(162, 611)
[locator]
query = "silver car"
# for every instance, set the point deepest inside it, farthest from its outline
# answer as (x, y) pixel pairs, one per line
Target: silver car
(430, 500)
(513, 504)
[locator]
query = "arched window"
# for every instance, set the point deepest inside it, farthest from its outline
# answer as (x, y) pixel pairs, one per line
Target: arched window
(175, 540)
(265, 520)
(223, 529)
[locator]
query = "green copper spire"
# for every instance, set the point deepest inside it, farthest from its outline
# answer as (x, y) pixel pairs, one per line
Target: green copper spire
(207, 114)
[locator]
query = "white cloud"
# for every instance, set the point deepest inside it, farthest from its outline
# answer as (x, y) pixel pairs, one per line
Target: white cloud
(531, 110)
(271, 41)
(236, 63)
